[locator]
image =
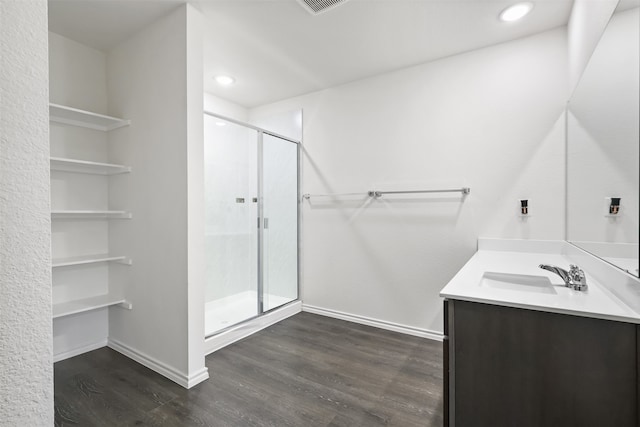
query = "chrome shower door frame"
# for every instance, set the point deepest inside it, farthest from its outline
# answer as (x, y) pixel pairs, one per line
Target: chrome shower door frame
(260, 210)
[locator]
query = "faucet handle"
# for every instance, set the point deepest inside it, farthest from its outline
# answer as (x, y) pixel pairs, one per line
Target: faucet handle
(578, 278)
(575, 272)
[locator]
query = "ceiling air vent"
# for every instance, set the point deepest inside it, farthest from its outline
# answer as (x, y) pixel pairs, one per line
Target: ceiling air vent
(318, 6)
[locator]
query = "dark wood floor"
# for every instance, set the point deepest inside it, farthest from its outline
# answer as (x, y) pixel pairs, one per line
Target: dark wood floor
(307, 370)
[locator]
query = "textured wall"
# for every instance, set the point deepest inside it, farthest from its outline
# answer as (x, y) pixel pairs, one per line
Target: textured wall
(26, 368)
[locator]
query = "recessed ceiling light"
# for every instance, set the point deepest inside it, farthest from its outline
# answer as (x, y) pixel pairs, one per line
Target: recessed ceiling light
(224, 80)
(221, 124)
(516, 11)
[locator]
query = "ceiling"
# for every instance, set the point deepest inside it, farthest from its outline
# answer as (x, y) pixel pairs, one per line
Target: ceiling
(103, 24)
(276, 49)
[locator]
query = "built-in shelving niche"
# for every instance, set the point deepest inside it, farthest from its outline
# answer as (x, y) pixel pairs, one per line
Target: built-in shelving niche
(99, 122)
(89, 259)
(83, 166)
(90, 214)
(87, 304)
(86, 119)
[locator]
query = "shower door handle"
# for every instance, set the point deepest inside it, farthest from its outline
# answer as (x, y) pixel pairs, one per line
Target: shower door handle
(266, 223)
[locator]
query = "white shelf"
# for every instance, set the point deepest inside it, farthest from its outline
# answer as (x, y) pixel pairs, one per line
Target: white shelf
(83, 166)
(88, 304)
(89, 259)
(90, 215)
(86, 119)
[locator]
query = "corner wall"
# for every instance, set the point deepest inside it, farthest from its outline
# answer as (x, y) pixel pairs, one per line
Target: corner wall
(586, 25)
(491, 119)
(214, 104)
(26, 361)
(154, 80)
(195, 190)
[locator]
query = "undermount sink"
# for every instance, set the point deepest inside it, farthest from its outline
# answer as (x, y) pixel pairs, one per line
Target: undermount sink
(518, 282)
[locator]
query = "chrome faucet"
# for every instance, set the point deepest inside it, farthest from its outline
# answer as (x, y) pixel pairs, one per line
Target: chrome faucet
(574, 278)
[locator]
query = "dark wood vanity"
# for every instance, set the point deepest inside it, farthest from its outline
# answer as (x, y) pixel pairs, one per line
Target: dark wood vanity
(518, 367)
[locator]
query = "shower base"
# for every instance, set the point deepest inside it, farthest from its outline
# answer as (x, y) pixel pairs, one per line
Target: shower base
(225, 312)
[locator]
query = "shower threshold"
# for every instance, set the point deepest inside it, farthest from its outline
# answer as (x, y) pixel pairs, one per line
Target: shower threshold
(222, 313)
(243, 329)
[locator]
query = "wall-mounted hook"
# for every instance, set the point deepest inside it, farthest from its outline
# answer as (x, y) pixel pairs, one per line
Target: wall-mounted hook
(524, 207)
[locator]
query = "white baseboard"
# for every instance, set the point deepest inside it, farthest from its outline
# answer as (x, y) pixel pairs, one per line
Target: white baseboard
(77, 351)
(186, 381)
(250, 327)
(197, 377)
(382, 324)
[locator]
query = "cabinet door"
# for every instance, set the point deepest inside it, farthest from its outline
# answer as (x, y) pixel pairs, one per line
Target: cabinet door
(445, 363)
(516, 367)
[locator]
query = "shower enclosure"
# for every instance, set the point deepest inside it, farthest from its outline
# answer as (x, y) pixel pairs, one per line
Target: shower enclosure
(251, 222)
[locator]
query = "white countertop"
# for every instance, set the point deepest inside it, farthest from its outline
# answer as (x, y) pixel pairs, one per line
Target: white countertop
(472, 283)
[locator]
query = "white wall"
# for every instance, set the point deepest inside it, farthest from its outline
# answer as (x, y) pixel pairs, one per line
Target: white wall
(603, 137)
(490, 119)
(152, 79)
(587, 22)
(195, 203)
(78, 75)
(26, 365)
(231, 110)
(285, 123)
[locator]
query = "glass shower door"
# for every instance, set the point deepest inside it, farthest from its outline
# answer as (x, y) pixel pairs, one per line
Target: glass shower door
(280, 222)
(231, 233)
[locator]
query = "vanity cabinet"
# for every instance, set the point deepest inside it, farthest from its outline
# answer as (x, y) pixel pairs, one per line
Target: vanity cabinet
(517, 367)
